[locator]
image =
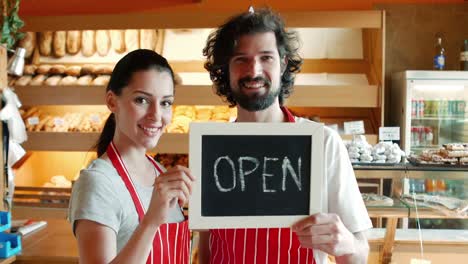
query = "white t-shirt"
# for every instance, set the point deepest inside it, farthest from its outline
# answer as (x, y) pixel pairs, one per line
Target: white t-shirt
(340, 191)
(100, 195)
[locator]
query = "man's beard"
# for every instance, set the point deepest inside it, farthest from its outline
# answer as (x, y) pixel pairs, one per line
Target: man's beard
(255, 102)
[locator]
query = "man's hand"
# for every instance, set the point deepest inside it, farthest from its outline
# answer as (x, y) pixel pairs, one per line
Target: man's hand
(327, 233)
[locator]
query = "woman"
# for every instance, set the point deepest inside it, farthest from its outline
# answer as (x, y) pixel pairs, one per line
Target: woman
(125, 208)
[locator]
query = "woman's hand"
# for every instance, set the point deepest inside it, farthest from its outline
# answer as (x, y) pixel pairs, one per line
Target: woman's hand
(170, 188)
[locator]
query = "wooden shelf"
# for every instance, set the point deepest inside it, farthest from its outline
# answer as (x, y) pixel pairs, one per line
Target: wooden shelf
(304, 95)
(177, 143)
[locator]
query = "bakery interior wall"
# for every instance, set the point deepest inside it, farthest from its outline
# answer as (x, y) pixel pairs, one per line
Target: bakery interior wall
(410, 38)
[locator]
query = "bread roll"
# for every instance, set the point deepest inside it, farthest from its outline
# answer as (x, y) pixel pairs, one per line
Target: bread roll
(68, 80)
(28, 43)
(148, 39)
(30, 69)
(103, 42)
(160, 40)
(101, 80)
(87, 43)
(73, 70)
(102, 69)
(23, 80)
(59, 43)
(36, 57)
(57, 69)
(132, 39)
(45, 42)
(85, 80)
(87, 69)
(53, 80)
(73, 41)
(43, 69)
(38, 80)
(118, 40)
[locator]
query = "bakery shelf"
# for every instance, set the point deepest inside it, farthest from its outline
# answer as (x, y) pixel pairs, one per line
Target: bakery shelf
(177, 143)
(304, 95)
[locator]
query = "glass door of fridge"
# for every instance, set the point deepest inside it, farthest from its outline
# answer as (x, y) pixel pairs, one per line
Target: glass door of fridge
(438, 113)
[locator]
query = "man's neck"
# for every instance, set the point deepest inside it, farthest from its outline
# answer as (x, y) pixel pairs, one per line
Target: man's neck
(272, 114)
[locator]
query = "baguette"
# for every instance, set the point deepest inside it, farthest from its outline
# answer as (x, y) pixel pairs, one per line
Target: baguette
(102, 69)
(53, 80)
(59, 43)
(147, 39)
(85, 80)
(38, 80)
(57, 69)
(118, 40)
(28, 43)
(87, 69)
(43, 69)
(68, 80)
(23, 80)
(103, 42)
(132, 39)
(45, 43)
(73, 41)
(73, 70)
(87, 43)
(101, 80)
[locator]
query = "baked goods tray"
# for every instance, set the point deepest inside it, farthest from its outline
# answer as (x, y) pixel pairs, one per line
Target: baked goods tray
(375, 164)
(416, 162)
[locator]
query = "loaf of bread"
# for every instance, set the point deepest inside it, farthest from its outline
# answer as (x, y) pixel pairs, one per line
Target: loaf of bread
(43, 69)
(101, 80)
(57, 69)
(38, 80)
(45, 43)
(73, 70)
(118, 40)
(132, 39)
(59, 43)
(53, 80)
(23, 80)
(68, 80)
(29, 69)
(28, 43)
(87, 43)
(87, 69)
(160, 40)
(103, 42)
(73, 41)
(147, 39)
(85, 80)
(36, 57)
(102, 69)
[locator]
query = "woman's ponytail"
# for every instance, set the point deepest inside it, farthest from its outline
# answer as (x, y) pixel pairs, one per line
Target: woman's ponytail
(106, 136)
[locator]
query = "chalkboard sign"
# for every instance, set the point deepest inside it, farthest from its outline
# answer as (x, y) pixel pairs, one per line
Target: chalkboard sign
(254, 174)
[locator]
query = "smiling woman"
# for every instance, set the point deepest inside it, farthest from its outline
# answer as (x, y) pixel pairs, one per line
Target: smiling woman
(140, 94)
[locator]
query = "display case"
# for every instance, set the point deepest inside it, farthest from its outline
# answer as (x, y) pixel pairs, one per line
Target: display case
(430, 108)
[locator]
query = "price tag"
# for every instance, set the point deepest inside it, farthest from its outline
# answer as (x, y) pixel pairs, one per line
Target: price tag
(32, 121)
(58, 121)
(95, 119)
(354, 127)
(333, 126)
(389, 133)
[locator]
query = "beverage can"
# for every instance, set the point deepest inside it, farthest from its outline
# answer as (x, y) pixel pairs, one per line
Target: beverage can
(421, 107)
(413, 108)
(428, 107)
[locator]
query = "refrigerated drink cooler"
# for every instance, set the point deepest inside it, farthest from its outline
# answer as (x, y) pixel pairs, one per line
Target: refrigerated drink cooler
(430, 107)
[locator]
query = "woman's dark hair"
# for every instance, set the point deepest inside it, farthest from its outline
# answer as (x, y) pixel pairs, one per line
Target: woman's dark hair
(137, 60)
(222, 42)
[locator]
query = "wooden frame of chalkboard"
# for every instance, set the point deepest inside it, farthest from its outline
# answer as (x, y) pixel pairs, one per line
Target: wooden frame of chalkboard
(255, 175)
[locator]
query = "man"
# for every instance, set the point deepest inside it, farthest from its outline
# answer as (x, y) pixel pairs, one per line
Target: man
(252, 62)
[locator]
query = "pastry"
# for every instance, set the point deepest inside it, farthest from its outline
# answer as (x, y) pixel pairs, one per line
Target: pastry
(59, 43)
(53, 80)
(102, 69)
(87, 69)
(43, 69)
(30, 69)
(101, 80)
(73, 41)
(23, 80)
(57, 69)
(68, 80)
(73, 70)
(85, 80)
(38, 80)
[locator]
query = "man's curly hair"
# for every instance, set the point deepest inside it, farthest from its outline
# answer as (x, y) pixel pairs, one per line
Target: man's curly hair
(222, 42)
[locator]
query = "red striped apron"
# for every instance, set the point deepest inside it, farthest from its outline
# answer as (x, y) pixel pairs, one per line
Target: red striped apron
(171, 243)
(258, 245)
